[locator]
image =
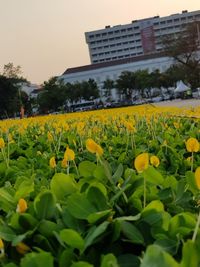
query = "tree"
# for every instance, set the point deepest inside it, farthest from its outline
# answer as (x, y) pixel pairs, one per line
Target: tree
(9, 103)
(108, 85)
(10, 71)
(142, 78)
(126, 83)
(10, 84)
(184, 48)
(53, 95)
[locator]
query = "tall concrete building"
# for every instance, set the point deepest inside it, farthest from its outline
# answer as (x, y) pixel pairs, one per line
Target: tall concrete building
(140, 37)
(130, 47)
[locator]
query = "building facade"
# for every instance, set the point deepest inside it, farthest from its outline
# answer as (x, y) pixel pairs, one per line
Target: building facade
(130, 47)
(112, 70)
(141, 37)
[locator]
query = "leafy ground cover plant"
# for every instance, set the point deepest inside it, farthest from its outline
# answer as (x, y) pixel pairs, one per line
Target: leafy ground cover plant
(117, 187)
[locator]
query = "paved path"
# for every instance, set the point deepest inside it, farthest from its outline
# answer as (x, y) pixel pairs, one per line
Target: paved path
(187, 103)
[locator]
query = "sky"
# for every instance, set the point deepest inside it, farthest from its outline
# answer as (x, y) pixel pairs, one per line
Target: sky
(45, 37)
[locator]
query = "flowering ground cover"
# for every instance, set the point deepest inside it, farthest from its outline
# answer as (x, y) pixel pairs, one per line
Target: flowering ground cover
(117, 187)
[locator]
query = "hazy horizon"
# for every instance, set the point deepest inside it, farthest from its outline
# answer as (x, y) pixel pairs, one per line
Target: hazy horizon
(45, 37)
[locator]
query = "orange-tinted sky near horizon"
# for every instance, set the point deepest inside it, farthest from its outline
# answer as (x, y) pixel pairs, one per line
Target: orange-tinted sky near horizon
(45, 37)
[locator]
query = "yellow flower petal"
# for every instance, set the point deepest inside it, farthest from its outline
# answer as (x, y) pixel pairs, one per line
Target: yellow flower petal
(69, 154)
(154, 160)
(91, 145)
(22, 248)
(64, 163)
(141, 162)
(197, 177)
(2, 143)
(52, 162)
(192, 145)
(22, 205)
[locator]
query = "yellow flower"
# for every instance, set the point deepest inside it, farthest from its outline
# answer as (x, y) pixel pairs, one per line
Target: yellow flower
(197, 177)
(192, 145)
(22, 248)
(52, 162)
(130, 127)
(64, 163)
(69, 154)
(2, 143)
(99, 150)
(1, 244)
(49, 137)
(93, 147)
(21, 206)
(141, 162)
(1, 248)
(154, 160)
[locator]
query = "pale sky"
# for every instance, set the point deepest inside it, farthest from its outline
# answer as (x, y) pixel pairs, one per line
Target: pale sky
(45, 37)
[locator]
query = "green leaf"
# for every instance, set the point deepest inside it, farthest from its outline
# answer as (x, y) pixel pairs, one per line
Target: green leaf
(47, 228)
(128, 260)
(109, 260)
(169, 245)
(86, 168)
(10, 265)
(95, 232)
(81, 264)
(97, 198)
(6, 233)
(62, 185)
(131, 233)
(45, 205)
(79, 206)
(190, 178)
(118, 173)
(99, 173)
(24, 189)
(27, 221)
(37, 260)
(94, 217)
(129, 218)
(182, 223)
(153, 176)
(66, 258)
(190, 255)
(72, 238)
(7, 202)
(156, 257)
(155, 205)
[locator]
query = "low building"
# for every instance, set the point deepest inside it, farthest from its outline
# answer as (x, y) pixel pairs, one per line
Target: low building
(112, 70)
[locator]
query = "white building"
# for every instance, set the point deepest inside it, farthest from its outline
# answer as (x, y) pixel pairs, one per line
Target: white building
(130, 47)
(112, 70)
(140, 37)
(30, 89)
